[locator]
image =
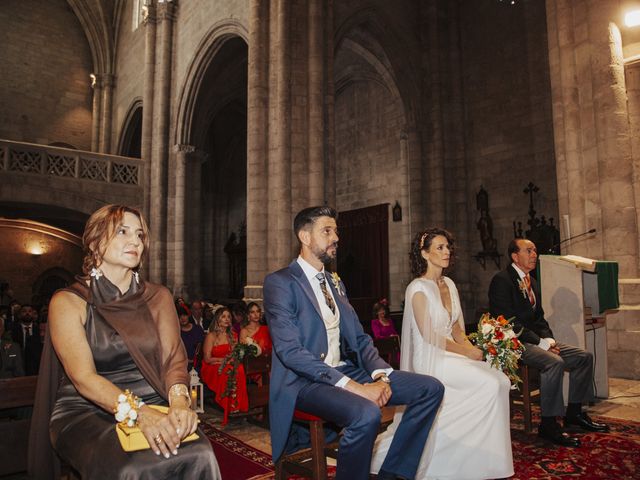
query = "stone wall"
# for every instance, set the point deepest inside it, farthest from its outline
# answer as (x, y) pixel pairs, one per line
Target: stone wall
(35, 249)
(45, 85)
(129, 72)
(508, 122)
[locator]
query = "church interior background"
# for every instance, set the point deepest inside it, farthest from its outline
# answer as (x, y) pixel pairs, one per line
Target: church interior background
(222, 119)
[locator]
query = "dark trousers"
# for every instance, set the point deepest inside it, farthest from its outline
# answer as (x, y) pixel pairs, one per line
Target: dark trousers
(552, 367)
(360, 419)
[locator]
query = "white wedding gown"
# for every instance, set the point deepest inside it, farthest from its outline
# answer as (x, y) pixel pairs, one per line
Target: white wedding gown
(470, 438)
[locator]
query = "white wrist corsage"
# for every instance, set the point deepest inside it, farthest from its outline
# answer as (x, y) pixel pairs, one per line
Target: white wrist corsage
(126, 409)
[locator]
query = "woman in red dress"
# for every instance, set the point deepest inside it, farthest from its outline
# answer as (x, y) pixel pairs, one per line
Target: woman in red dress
(217, 345)
(255, 331)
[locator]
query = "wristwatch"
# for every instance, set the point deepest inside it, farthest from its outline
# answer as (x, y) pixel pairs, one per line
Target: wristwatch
(384, 379)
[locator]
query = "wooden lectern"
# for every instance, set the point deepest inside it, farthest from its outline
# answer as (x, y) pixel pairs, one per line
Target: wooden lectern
(577, 292)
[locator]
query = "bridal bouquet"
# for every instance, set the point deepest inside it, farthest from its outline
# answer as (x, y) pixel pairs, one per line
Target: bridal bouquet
(233, 360)
(500, 345)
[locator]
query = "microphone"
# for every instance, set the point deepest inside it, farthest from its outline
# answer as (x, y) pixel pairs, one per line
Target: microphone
(553, 247)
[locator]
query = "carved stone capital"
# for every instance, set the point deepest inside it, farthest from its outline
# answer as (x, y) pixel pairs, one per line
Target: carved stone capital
(166, 10)
(181, 147)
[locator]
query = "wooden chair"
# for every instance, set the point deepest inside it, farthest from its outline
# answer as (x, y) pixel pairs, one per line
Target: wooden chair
(529, 390)
(312, 462)
(14, 433)
(258, 392)
(389, 350)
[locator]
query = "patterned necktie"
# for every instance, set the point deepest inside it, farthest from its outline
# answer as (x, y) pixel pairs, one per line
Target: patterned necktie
(527, 282)
(327, 297)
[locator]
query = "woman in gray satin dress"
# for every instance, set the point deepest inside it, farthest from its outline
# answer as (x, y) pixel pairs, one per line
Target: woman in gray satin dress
(112, 332)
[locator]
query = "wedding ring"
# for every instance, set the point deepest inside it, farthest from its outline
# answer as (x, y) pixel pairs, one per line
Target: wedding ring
(157, 439)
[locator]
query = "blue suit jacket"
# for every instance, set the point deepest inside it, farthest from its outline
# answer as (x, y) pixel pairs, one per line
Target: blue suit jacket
(300, 344)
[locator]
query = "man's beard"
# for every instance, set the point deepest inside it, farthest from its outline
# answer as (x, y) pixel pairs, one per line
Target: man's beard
(325, 257)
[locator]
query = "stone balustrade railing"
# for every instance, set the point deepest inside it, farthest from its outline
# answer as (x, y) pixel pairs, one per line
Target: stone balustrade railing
(65, 162)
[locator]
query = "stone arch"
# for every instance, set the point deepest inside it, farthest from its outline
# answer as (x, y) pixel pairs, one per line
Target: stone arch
(207, 49)
(375, 124)
(130, 142)
(95, 23)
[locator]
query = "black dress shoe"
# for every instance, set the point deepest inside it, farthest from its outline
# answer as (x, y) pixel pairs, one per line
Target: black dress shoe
(556, 435)
(583, 421)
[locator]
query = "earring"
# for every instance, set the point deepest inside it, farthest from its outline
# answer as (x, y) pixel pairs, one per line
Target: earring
(95, 273)
(137, 276)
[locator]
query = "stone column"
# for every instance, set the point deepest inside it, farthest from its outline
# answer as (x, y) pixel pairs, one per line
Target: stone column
(591, 130)
(149, 23)
(96, 114)
(279, 160)
(316, 120)
(290, 102)
(182, 154)
(108, 81)
(593, 144)
(257, 133)
(160, 146)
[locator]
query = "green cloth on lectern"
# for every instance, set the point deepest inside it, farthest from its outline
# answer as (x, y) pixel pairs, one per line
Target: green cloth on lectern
(607, 285)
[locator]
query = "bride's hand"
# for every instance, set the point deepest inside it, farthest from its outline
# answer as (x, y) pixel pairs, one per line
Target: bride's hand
(474, 353)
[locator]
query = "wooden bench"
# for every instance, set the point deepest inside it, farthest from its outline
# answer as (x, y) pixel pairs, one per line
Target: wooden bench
(14, 433)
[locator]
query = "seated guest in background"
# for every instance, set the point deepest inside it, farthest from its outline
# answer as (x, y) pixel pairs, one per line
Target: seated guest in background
(191, 335)
(239, 311)
(217, 345)
(207, 315)
(26, 333)
(196, 314)
(515, 294)
(117, 338)
(10, 356)
(254, 331)
(382, 324)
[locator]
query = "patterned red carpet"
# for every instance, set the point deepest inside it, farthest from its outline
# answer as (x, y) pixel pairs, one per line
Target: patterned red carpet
(615, 455)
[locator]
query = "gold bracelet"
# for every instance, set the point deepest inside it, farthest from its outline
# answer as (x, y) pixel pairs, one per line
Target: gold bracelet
(179, 389)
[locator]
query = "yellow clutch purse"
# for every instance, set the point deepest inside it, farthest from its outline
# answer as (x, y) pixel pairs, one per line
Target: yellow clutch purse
(132, 439)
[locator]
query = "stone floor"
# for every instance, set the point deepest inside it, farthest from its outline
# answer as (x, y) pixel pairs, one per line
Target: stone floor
(623, 403)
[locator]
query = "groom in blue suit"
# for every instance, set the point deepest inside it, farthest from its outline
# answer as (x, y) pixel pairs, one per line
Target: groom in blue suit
(324, 363)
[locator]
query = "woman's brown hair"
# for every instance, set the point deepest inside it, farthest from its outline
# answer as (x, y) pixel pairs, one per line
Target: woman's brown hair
(100, 229)
(422, 241)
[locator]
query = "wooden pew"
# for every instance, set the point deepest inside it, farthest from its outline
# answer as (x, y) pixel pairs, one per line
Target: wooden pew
(389, 350)
(14, 433)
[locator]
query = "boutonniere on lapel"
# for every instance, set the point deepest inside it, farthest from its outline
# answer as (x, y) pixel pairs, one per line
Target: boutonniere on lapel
(523, 288)
(335, 278)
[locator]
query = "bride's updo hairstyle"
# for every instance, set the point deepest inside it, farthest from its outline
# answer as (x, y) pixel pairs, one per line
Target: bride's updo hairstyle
(101, 228)
(422, 241)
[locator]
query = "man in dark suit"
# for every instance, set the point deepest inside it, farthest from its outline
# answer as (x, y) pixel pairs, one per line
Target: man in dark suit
(26, 333)
(10, 357)
(515, 294)
(324, 363)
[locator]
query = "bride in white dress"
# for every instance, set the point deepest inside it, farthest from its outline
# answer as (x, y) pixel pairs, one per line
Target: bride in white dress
(471, 437)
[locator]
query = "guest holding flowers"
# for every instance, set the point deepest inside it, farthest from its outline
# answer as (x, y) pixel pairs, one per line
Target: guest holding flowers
(382, 325)
(254, 332)
(218, 344)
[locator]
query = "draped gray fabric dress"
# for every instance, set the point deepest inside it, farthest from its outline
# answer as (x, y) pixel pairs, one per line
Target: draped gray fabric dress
(84, 435)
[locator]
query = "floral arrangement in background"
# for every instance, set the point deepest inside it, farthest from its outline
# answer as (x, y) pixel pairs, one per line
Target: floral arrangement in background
(231, 362)
(500, 345)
